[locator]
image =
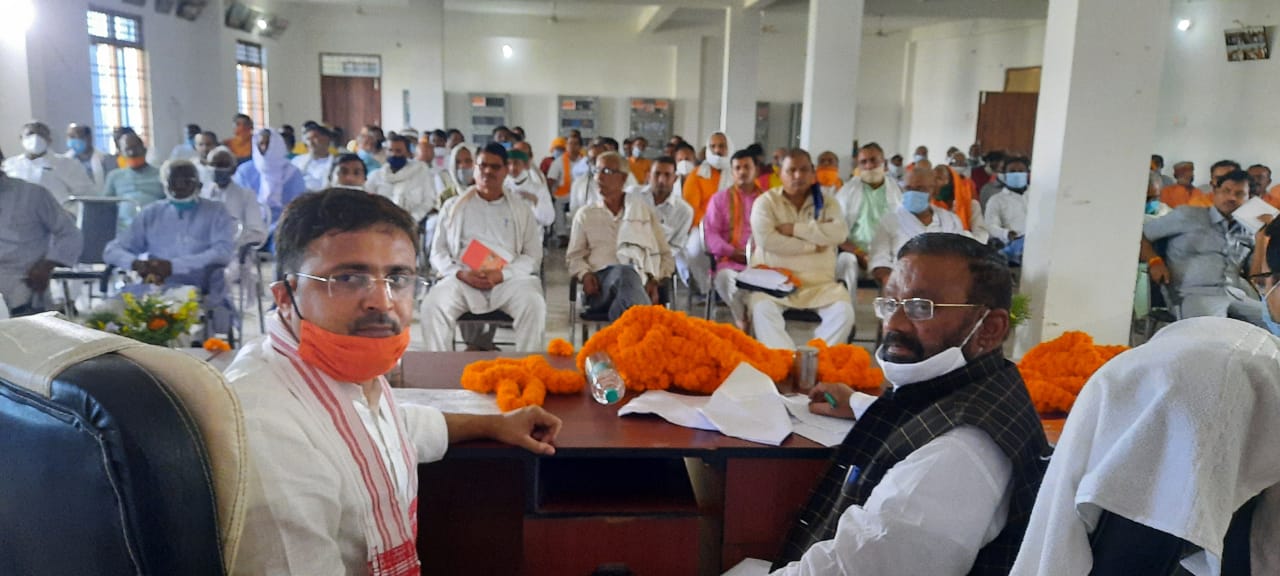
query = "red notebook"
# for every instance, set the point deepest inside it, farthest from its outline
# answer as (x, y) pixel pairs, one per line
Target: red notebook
(479, 257)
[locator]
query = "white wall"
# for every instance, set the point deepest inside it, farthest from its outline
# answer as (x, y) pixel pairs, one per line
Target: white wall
(952, 63)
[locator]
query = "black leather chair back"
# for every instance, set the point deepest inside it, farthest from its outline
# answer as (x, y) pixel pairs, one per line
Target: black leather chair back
(1122, 547)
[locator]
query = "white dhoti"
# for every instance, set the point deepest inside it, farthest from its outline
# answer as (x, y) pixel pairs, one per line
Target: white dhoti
(726, 286)
(693, 264)
(770, 327)
(521, 298)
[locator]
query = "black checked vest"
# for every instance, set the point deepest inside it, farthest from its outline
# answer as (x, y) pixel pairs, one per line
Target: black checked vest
(987, 393)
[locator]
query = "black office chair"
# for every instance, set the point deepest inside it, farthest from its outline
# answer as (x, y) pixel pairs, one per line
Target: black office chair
(487, 321)
(116, 457)
(98, 219)
(1122, 547)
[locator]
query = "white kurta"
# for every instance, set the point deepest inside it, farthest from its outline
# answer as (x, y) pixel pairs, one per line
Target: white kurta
(243, 205)
(901, 225)
(1007, 212)
(532, 183)
(303, 517)
(412, 188)
(315, 171)
(62, 176)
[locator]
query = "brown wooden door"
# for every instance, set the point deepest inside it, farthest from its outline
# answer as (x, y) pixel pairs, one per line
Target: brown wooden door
(1007, 121)
(350, 102)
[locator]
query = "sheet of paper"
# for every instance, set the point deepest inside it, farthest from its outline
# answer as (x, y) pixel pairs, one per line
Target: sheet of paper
(1248, 213)
(749, 567)
(453, 401)
(678, 409)
(747, 405)
(825, 430)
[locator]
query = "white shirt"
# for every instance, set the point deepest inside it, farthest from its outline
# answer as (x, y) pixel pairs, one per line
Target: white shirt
(243, 205)
(578, 169)
(900, 225)
(930, 514)
(543, 212)
(1007, 212)
(303, 517)
(674, 213)
(493, 223)
(62, 176)
(315, 171)
(412, 188)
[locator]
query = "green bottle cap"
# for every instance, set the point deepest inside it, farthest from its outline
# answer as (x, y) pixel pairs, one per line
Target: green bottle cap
(611, 396)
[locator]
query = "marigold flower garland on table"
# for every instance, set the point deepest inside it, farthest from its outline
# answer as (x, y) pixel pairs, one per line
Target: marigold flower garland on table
(560, 347)
(520, 382)
(1056, 370)
(848, 364)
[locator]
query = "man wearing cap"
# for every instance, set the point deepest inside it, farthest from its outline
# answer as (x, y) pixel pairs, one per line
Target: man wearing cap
(316, 164)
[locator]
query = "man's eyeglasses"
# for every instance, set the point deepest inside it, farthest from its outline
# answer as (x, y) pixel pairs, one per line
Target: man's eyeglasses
(917, 309)
(605, 171)
(359, 285)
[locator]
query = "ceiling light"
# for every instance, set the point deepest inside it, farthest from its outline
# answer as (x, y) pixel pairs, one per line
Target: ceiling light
(1184, 24)
(262, 23)
(507, 51)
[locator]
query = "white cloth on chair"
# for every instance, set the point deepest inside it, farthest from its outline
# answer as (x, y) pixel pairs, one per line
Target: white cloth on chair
(637, 244)
(1176, 435)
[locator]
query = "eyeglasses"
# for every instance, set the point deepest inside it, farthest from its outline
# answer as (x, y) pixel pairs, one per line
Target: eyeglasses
(917, 309)
(360, 285)
(605, 171)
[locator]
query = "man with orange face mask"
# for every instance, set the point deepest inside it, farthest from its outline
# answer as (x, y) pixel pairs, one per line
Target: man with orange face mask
(829, 172)
(136, 181)
(335, 456)
(241, 144)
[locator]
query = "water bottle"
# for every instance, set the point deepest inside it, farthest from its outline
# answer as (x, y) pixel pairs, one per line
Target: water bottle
(606, 384)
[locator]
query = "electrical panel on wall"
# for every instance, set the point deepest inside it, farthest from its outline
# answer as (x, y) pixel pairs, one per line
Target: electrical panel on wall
(651, 118)
(578, 113)
(488, 111)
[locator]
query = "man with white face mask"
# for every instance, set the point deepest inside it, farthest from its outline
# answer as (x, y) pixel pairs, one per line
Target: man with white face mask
(458, 175)
(1006, 213)
(864, 202)
(916, 216)
(715, 174)
(526, 183)
(81, 149)
(956, 497)
(61, 176)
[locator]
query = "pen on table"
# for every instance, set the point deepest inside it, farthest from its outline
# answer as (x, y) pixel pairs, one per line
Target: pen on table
(830, 399)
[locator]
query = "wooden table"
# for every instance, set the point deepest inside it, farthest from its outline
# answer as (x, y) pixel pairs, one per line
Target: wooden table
(638, 491)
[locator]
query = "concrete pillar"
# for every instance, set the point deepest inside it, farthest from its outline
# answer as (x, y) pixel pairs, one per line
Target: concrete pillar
(831, 78)
(1095, 128)
(741, 64)
(688, 91)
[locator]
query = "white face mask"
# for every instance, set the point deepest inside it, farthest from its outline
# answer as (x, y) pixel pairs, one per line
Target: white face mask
(637, 151)
(895, 170)
(939, 364)
(715, 160)
(685, 167)
(34, 144)
(873, 176)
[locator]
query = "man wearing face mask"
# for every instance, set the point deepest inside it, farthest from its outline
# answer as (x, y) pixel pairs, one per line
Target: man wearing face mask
(406, 182)
(635, 159)
(955, 498)
(686, 162)
(1205, 256)
(61, 176)
(459, 176)
(182, 238)
(335, 455)
(36, 236)
(864, 202)
(270, 175)
(526, 183)
(241, 203)
(994, 165)
(829, 172)
(1006, 215)
(186, 150)
(572, 166)
(712, 176)
(921, 156)
(440, 151)
(955, 193)
(81, 149)
(917, 215)
(138, 182)
(558, 145)
(348, 172)
(317, 163)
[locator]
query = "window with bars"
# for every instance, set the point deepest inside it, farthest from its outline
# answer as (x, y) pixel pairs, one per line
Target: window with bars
(118, 72)
(251, 82)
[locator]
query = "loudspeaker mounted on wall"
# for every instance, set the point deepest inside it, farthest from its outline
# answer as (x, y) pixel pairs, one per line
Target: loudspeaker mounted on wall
(190, 9)
(247, 19)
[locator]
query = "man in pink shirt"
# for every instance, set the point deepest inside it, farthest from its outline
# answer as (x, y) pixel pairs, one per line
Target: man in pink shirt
(727, 227)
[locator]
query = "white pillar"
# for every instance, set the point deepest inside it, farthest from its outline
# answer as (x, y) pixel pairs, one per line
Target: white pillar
(1095, 129)
(831, 78)
(741, 63)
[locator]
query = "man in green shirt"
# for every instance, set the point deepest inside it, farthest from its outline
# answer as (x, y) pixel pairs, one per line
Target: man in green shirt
(137, 182)
(863, 201)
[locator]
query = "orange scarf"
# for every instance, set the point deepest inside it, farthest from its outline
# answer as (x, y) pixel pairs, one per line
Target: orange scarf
(738, 228)
(563, 189)
(961, 204)
(829, 177)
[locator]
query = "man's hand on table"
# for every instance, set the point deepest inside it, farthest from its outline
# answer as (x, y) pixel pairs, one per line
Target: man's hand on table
(531, 428)
(819, 404)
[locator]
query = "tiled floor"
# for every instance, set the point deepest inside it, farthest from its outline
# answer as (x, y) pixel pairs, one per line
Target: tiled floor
(557, 292)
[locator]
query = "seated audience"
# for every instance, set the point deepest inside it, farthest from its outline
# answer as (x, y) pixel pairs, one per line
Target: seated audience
(1006, 213)
(1259, 180)
(558, 145)
(1154, 207)
(186, 150)
(528, 184)
(270, 175)
(61, 176)
(335, 456)
(727, 230)
(486, 218)
(36, 235)
(347, 172)
(637, 162)
(864, 202)
(205, 142)
(675, 215)
(1157, 170)
(458, 176)
(1215, 172)
(956, 497)
(914, 217)
(955, 193)
(1181, 192)
(568, 168)
(97, 164)
(241, 203)
(995, 167)
(407, 182)
(137, 181)
(798, 228)
(1205, 254)
(369, 147)
(712, 176)
(316, 164)
(617, 247)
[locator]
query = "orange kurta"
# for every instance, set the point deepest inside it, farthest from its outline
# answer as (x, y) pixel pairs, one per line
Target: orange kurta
(562, 190)
(1175, 195)
(1273, 197)
(962, 204)
(241, 147)
(640, 169)
(698, 192)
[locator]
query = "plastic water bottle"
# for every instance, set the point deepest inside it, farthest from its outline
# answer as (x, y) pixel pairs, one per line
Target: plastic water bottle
(607, 386)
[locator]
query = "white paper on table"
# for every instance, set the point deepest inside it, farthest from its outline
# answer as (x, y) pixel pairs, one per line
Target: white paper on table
(453, 401)
(825, 430)
(747, 405)
(678, 409)
(749, 567)
(1247, 214)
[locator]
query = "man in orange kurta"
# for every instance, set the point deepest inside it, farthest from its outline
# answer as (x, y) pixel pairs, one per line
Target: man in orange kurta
(637, 162)
(711, 177)
(241, 144)
(1182, 192)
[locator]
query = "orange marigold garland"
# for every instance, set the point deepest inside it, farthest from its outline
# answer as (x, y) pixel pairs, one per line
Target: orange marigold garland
(560, 347)
(520, 382)
(1056, 370)
(848, 364)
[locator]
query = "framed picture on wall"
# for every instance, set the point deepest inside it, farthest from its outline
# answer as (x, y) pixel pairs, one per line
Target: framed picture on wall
(1248, 43)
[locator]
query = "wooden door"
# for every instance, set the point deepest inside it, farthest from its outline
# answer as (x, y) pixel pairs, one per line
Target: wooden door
(350, 102)
(1007, 121)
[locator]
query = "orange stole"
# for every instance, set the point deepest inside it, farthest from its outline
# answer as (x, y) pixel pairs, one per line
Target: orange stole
(640, 169)
(963, 201)
(698, 192)
(563, 189)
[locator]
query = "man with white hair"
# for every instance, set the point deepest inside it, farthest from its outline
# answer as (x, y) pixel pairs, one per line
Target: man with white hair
(405, 181)
(61, 176)
(181, 241)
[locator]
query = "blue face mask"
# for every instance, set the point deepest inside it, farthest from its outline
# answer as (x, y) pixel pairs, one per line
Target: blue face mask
(77, 145)
(396, 162)
(222, 176)
(1267, 320)
(507, 145)
(1015, 180)
(915, 201)
(1153, 206)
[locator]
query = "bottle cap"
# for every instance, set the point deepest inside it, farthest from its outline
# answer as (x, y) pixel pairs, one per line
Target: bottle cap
(611, 396)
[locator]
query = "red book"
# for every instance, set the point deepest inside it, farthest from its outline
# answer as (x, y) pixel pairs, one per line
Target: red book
(477, 256)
